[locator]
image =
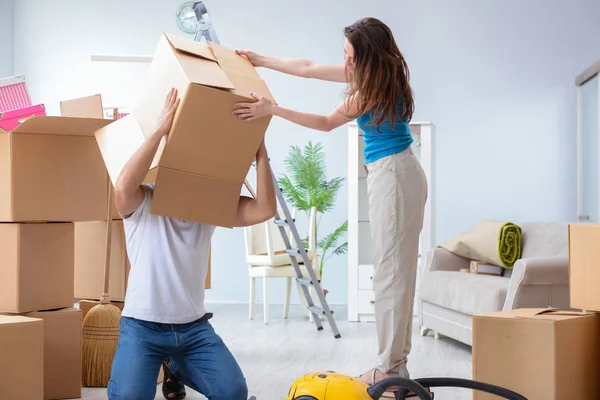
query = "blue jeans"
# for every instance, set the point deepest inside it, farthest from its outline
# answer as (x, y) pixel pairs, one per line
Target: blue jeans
(198, 357)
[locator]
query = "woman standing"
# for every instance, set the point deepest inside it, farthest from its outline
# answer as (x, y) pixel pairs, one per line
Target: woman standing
(380, 98)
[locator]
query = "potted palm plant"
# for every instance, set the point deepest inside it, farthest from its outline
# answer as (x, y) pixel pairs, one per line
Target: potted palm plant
(306, 186)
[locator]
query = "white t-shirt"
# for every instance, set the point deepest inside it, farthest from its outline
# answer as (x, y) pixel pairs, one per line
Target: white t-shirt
(169, 263)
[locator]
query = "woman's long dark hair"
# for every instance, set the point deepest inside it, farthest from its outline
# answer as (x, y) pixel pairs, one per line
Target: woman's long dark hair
(381, 77)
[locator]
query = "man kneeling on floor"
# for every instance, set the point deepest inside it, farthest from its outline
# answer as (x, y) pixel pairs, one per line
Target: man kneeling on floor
(164, 316)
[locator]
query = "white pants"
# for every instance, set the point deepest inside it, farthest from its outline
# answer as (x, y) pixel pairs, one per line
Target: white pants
(397, 190)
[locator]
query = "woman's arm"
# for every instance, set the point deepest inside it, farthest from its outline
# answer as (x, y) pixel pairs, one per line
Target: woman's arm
(298, 67)
(326, 123)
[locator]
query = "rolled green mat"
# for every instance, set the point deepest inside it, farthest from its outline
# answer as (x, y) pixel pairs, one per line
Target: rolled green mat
(509, 244)
(492, 242)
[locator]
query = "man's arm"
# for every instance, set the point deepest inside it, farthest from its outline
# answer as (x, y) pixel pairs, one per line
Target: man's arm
(128, 188)
(264, 206)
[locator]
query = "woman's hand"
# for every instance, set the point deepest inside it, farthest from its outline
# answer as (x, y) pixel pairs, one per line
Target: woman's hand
(254, 58)
(251, 111)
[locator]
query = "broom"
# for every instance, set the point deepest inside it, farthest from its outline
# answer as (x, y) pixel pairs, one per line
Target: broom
(100, 332)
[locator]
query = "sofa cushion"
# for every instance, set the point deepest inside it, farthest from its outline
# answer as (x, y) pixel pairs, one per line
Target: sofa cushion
(545, 239)
(467, 293)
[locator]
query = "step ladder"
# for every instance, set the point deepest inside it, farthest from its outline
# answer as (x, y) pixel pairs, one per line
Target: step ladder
(305, 282)
(207, 31)
(286, 220)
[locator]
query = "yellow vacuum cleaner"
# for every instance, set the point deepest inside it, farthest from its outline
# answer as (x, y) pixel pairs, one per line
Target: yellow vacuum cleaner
(332, 386)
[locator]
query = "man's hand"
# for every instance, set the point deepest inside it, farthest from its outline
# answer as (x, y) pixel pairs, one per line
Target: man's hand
(165, 120)
(128, 190)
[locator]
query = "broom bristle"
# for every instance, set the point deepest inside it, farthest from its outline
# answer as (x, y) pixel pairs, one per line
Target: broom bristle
(99, 343)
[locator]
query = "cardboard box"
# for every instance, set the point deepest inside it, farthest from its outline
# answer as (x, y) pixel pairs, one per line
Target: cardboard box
(87, 107)
(36, 266)
(90, 251)
(21, 357)
(83, 107)
(200, 169)
(51, 170)
(14, 93)
(90, 107)
(584, 266)
(62, 352)
(540, 353)
(9, 120)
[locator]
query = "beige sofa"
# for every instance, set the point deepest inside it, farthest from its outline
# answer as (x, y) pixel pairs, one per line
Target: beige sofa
(448, 298)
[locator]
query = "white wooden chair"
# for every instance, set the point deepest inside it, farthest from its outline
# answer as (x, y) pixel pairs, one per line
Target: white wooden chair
(267, 258)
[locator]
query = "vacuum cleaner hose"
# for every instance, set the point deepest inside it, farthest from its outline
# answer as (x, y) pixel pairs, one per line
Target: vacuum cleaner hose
(377, 390)
(462, 383)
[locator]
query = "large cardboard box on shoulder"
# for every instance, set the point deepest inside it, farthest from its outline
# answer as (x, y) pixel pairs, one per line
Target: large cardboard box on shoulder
(542, 354)
(200, 167)
(51, 170)
(584, 266)
(22, 357)
(36, 266)
(62, 352)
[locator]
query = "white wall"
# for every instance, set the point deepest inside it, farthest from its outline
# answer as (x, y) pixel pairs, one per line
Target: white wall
(7, 41)
(497, 78)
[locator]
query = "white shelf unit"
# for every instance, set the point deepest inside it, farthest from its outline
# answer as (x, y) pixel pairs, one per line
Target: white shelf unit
(588, 145)
(360, 263)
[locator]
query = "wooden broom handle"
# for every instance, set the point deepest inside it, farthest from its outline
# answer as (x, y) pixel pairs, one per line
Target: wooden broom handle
(108, 237)
(109, 221)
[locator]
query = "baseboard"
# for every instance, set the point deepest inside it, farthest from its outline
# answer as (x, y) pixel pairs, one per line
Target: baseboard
(245, 303)
(236, 302)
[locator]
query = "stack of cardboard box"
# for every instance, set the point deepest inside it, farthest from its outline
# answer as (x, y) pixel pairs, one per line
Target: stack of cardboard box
(90, 236)
(51, 175)
(547, 354)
